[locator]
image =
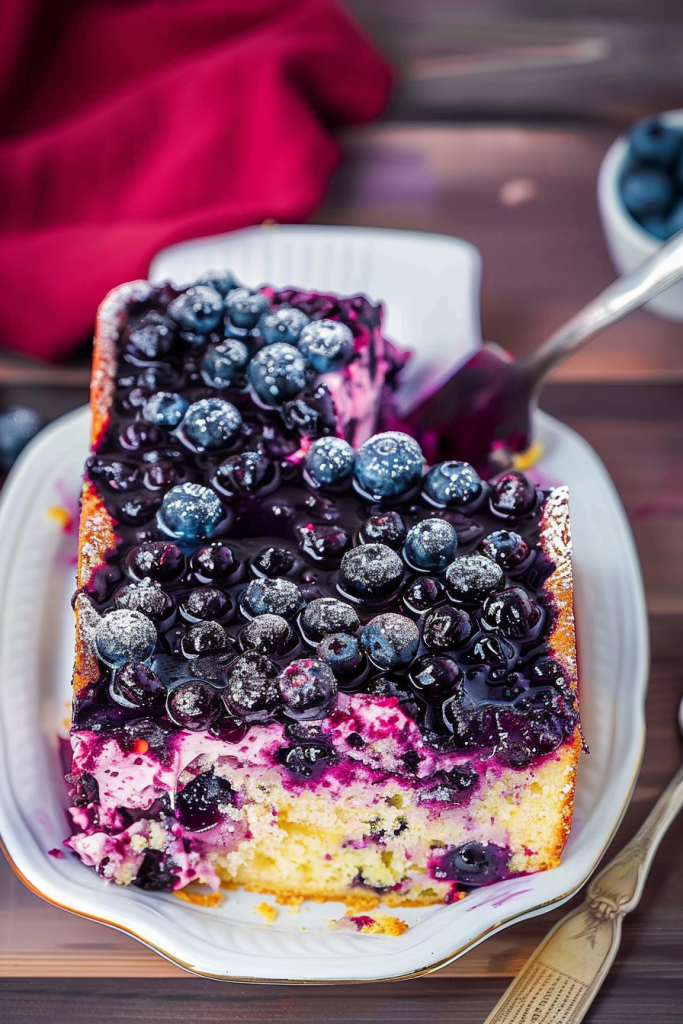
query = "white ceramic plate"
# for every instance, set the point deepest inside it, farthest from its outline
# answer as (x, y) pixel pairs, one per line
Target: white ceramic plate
(230, 943)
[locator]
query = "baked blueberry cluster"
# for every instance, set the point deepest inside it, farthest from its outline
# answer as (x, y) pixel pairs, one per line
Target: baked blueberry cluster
(263, 565)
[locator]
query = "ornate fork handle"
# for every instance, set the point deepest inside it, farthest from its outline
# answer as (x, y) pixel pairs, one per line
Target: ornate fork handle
(562, 977)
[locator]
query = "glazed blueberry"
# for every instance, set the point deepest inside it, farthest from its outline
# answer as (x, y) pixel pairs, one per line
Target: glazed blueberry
(384, 528)
(155, 874)
(152, 338)
(323, 542)
(547, 670)
(139, 435)
(214, 562)
(229, 728)
(506, 548)
(212, 423)
(327, 344)
(513, 495)
(223, 363)
(222, 281)
(244, 307)
(205, 637)
(205, 603)
(267, 634)
(165, 409)
(274, 597)
(245, 473)
(146, 597)
(473, 864)
(198, 310)
(654, 142)
(305, 759)
(161, 476)
(190, 512)
(647, 190)
(471, 578)
(422, 594)
(113, 473)
(124, 635)
(307, 689)
(388, 465)
(328, 615)
(159, 559)
(104, 582)
(370, 572)
(250, 687)
(277, 373)
(390, 640)
(342, 653)
(273, 562)
(435, 677)
(134, 685)
(330, 460)
(453, 483)
(204, 801)
(492, 649)
(446, 628)
(512, 612)
(283, 324)
(194, 705)
(18, 425)
(430, 545)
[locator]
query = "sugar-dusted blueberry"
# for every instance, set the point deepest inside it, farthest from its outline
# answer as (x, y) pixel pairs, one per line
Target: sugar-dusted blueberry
(212, 423)
(390, 640)
(205, 603)
(423, 593)
(472, 864)
(223, 363)
(159, 559)
(147, 597)
(370, 572)
(305, 759)
(194, 704)
(513, 612)
(204, 801)
(327, 344)
(268, 634)
(204, 637)
(273, 562)
(245, 473)
(471, 578)
(250, 687)
(244, 307)
(328, 615)
(506, 548)
(18, 425)
(430, 545)
(165, 409)
(453, 484)
(277, 373)
(208, 666)
(115, 474)
(388, 465)
(135, 685)
(214, 561)
(384, 528)
(307, 688)
(446, 628)
(330, 461)
(323, 541)
(124, 635)
(454, 786)
(198, 310)
(275, 597)
(283, 324)
(190, 512)
(342, 653)
(152, 338)
(513, 494)
(435, 676)
(655, 142)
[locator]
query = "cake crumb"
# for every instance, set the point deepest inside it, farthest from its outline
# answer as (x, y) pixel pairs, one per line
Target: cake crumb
(267, 911)
(200, 899)
(379, 924)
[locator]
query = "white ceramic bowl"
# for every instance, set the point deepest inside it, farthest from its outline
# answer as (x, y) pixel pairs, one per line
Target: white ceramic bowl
(628, 243)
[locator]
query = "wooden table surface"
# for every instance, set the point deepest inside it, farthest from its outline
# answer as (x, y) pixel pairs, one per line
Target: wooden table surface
(526, 198)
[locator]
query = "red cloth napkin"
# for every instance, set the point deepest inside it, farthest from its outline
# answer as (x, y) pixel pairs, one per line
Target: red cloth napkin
(125, 126)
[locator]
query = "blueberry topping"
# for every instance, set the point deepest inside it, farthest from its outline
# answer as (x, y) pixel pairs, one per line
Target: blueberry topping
(453, 483)
(370, 572)
(204, 637)
(473, 864)
(513, 612)
(267, 634)
(244, 473)
(276, 597)
(198, 310)
(547, 670)
(190, 512)
(212, 423)
(244, 307)
(330, 461)
(328, 615)
(390, 640)
(194, 705)
(430, 545)
(159, 559)
(160, 476)
(18, 425)
(422, 594)
(323, 542)
(471, 578)
(492, 649)
(229, 728)
(146, 597)
(305, 759)
(154, 873)
(202, 802)
(454, 786)
(277, 373)
(165, 409)
(124, 636)
(214, 562)
(250, 688)
(283, 324)
(513, 495)
(388, 465)
(273, 562)
(205, 603)
(327, 344)
(223, 363)
(435, 677)
(384, 528)
(342, 653)
(507, 549)
(446, 628)
(307, 688)
(135, 685)
(152, 338)
(113, 473)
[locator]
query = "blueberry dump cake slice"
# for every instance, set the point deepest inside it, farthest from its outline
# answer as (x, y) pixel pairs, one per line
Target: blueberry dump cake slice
(306, 664)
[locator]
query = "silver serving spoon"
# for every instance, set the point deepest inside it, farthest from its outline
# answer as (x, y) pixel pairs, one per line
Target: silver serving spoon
(562, 977)
(483, 413)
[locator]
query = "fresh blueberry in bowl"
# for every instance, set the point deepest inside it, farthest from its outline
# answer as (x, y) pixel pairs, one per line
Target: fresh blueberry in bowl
(327, 344)
(307, 688)
(390, 640)
(330, 461)
(384, 528)
(388, 465)
(277, 373)
(194, 705)
(223, 363)
(370, 572)
(646, 191)
(198, 310)
(342, 653)
(430, 545)
(283, 324)
(211, 423)
(18, 425)
(453, 484)
(124, 635)
(165, 409)
(204, 801)
(244, 307)
(250, 687)
(654, 142)
(190, 512)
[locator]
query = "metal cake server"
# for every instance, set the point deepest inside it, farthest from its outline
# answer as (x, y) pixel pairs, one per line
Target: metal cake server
(482, 414)
(560, 980)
